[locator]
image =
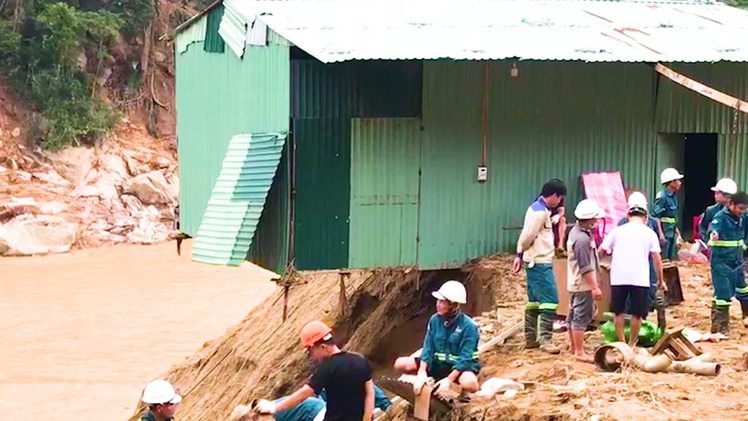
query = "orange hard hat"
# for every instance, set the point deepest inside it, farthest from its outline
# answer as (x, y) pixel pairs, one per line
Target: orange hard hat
(313, 332)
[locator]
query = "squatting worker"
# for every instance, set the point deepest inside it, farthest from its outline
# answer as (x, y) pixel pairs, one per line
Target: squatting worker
(450, 347)
(632, 245)
(162, 401)
(344, 376)
(311, 409)
(536, 249)
(582, 275)
(666, 208)
(726, 242)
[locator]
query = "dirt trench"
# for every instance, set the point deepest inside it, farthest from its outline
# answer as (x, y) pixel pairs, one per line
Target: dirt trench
(381, 315)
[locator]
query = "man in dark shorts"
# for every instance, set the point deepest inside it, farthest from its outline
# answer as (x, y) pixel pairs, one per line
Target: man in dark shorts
(450, 348)
(582, 275)
(344, 376)
(632, 245)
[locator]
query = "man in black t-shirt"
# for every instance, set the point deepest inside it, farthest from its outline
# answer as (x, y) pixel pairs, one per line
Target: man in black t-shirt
(345, 376)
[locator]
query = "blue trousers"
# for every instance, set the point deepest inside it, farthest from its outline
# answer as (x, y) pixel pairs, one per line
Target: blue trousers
(541, 288)
(728, 280)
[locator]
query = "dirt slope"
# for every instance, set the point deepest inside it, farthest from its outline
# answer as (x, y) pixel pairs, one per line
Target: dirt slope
(261, 357)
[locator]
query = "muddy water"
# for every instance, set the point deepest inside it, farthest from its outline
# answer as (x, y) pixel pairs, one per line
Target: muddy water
(83, 333)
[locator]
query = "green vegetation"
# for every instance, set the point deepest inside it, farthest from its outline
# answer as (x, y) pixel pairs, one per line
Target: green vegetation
(52, 53)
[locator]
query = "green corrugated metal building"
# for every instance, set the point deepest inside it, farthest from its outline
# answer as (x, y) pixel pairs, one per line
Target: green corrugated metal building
(380, 164)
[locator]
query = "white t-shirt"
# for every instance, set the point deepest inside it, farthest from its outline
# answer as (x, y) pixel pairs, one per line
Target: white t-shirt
(631, 244)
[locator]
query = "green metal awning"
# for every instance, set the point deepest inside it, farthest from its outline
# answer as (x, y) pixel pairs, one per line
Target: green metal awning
(235, 206)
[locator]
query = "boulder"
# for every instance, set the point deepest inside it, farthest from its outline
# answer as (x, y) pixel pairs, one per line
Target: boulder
(28, 235)
(151, 188)
(16, 207)
(73, 164)
(135, 167)
(53, 208)
(148, 232)
(113, 164)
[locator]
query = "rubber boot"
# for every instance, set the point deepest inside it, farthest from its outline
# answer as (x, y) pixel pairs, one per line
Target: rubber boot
(660, 309)
(744, 308)
(715, 319)
(723, 320)
(531, 328)
(546, 334)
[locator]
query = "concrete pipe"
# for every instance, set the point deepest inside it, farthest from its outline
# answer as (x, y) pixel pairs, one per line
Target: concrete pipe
(695, 366)
(652, 364)
(606, 362)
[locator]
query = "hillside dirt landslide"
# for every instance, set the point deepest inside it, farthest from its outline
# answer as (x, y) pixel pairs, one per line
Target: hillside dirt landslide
(260, 356)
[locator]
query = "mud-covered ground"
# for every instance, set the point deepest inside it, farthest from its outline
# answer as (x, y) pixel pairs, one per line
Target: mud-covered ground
(263, 359)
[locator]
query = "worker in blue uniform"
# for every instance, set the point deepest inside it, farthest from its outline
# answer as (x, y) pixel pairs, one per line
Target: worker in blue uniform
(450, 348)
(655, 302)
(727, 241)
(722, 191)
(666, 209)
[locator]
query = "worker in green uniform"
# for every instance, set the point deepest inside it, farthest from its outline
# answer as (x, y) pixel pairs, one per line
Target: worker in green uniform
(162, 401)
(726, 241)
(450, 347)
(666, 209)
(722, 191)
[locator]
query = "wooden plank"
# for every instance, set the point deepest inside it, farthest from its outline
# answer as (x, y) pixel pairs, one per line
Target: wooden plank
(702, 89)
(506, 334)
(423, 403)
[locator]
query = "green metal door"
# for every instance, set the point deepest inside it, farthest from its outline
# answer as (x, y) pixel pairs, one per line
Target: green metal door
(670, 150)
(385, 161)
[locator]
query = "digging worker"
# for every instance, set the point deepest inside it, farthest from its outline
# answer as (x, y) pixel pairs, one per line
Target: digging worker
(450, 347)
(665, 208)
(656, 302)
(345, 377)
(722, 192)
(632, 245)
(162, 401)
(582, 275)
(726, 242)
(536, 249)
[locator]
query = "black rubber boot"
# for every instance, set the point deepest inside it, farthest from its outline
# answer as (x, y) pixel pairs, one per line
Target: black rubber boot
(715, 319)
(546, 333)
(723, 320)
(744, 309)
(531, 328)
(660, 309)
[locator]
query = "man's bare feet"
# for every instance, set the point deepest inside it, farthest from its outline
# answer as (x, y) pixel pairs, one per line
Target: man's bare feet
(584, 358)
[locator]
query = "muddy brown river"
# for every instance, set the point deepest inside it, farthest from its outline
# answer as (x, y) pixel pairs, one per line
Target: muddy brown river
(83, 333)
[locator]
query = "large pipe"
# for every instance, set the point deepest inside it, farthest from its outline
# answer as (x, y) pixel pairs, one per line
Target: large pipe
(703, 364)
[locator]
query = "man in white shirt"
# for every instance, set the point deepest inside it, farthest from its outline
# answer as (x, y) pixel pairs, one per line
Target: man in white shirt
(632, 245)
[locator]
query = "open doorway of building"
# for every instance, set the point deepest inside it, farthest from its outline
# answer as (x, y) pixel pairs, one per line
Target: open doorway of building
(700, 170)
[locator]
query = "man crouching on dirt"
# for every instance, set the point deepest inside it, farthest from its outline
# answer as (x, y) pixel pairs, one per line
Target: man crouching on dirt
(344, 376)
(450, 348)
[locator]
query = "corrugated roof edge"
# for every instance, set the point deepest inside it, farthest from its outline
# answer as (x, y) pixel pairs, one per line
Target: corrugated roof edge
(186, 24)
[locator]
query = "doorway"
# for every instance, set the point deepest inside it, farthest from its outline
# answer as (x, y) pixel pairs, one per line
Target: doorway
(700, 170)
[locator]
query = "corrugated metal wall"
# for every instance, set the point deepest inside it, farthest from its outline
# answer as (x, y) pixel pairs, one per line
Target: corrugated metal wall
(325, 99)
(680, 110)
(385, 155)
(552, 120)
(219, 96)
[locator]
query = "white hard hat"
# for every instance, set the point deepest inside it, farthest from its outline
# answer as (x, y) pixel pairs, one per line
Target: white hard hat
(637, 201)
(726, 185)
(160, 391)
(451, 291)
(670, 174)
(588, 209)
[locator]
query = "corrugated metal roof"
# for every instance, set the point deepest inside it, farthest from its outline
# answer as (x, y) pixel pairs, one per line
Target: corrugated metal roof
(238, 197)
(599, 31)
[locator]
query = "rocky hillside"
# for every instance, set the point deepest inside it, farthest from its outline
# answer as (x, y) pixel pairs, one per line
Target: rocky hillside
(64, 181)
